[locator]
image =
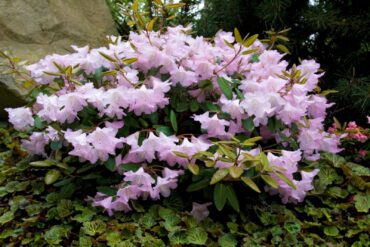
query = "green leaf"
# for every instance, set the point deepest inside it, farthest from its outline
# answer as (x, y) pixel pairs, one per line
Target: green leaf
(52, 176)
(6, 217)
(150, 25)
(232, 198)
(64, 208)
(194, 106)
(333, 159)
(283, 48)
(248, 42)
(238, 37)
(55, 234)
(249, 51)
(197, 236)
(252, 140)
(194, 168)
(362, 202)
(285, 179)
(173, 120)
(331, 231)
(129, 61)
(106, 56)
(38, 123)
(110, 164)
(220, 196)
(130, 167)
(292, 227)
(94, 227)
(264, 160)
(219, 175)
(174, 5)
(248, 124)
(164, 129)
(229, 44)
(236, 171)
(180, 154)
(225, 87)
(249, 182)
(43, 163)
(56, 145)
(198, 185)
(270, 181)
(255, 58)
(227, 240)
(107, 190)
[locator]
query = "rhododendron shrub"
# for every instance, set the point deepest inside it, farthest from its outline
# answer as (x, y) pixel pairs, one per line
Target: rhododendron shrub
(158, 106)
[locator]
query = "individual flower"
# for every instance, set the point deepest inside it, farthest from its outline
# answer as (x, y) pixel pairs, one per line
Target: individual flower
(200, 210)
(21, 118)
(214, 126)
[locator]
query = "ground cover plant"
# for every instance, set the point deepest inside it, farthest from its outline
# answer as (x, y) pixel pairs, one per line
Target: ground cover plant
(32, 213)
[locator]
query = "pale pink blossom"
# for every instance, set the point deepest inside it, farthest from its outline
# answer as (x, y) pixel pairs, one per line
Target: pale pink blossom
(20, 117)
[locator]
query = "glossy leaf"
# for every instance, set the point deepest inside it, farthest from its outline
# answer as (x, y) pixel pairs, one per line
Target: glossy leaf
(220, 196)
(249, 182)
(225, 87)
(219, 175)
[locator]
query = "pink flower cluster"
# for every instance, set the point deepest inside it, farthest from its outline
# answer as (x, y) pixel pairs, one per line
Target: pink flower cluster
(140, 184)
(186, 61)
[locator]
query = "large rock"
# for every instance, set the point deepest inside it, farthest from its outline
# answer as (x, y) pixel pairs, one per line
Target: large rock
(31, 29)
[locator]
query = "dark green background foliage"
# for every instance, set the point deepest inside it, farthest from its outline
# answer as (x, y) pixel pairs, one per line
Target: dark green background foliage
(35, 214)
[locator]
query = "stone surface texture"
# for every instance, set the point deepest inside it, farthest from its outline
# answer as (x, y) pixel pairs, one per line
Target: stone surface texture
(31, 29)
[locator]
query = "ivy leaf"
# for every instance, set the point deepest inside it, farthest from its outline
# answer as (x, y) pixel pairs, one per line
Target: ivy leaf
(362, 202)
(94, 227)
(227, 240)
(270, 181)
(219, 196)
(6, 217)
(173, 120)
(197, 236)
(333, 159)
(225, 87)
(219, 175)
(331, 231)
(249, 182)
(232, 198)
